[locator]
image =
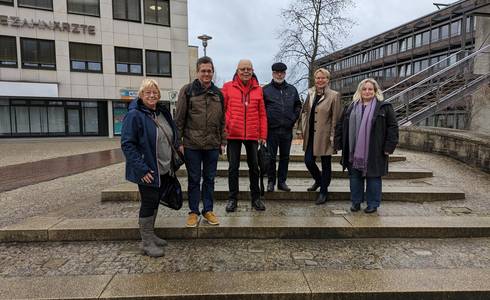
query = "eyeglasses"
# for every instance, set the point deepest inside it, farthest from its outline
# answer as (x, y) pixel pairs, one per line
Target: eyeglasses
(245, 69)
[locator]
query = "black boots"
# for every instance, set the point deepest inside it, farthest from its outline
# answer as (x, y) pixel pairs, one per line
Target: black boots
(270, 187)
(283, 187)
(314, 187)
(258, 204)
(322, 198)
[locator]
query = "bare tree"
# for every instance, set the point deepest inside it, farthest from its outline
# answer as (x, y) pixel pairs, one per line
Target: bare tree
(312, 29)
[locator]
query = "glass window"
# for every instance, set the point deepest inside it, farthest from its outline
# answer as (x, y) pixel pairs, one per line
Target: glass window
(126, 10)
(409, 43)
(129, 61)
(84, 7)
(402, 71)
(38, 117)
(418, 40)
(56, 120)
(8, 52)
(470, 24)
(158, 63)
(38, 54)
(434, 35)
(43, 4)
(456, 28)
(444, 32)
(90, 117)
(426, 38)
(10, 3)
(21, 119)
(157, 12)
(403, 45)
(86, 57)
(5, 128)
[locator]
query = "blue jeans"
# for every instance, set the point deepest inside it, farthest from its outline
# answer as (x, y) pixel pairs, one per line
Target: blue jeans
(193, 161)
(373, 188)
(279, 138)
(324, 177)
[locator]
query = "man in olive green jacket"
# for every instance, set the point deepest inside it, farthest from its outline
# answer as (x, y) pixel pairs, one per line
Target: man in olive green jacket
(200, 120)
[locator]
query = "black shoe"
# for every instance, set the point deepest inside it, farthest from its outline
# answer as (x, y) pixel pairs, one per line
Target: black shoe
(283, 187)
(258, 204)
(370, 210)
(322, 198)
(355, 207)
(231, 206)
(314, 187)
(270, 187)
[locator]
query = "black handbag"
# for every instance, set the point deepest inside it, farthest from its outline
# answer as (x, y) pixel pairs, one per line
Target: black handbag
(177, 156)
(172, 195)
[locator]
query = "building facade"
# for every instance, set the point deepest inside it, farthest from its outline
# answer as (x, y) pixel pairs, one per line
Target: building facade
(410, 48)
(69, 67)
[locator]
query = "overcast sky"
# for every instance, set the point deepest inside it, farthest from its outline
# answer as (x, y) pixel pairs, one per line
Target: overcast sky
(247, 29)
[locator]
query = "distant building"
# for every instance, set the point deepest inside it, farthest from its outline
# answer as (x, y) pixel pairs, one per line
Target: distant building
(69, 67)
(398, 53)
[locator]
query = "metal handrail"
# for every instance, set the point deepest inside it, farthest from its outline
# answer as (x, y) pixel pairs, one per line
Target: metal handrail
(416, 74)
(437, 73)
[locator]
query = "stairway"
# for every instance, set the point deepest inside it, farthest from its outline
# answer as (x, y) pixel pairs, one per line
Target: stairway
(248, 233)
(437, 87)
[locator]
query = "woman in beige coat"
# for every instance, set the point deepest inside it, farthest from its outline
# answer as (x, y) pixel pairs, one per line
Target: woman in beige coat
(321, 111)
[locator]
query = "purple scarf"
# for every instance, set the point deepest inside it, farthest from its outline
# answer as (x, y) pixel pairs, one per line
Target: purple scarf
(362, 125)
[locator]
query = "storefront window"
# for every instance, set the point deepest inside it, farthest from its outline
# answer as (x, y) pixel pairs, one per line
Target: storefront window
(90, 117)
(5, 128)
(119, 110)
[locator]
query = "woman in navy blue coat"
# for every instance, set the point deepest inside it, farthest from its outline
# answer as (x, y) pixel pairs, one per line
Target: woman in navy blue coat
(148, 130)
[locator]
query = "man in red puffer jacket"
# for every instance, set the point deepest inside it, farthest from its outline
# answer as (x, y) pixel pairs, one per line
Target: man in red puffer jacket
(246, 123)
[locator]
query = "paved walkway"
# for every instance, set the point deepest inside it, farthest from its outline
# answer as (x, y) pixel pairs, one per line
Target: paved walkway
(16, 176)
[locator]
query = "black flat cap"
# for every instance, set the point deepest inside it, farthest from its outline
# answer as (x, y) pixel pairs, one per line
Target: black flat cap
(279, 67)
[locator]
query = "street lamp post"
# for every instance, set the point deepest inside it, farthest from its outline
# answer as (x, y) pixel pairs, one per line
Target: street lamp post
(204, 38)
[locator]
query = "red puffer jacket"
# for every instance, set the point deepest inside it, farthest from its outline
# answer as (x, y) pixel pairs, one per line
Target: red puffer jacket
(245, 115)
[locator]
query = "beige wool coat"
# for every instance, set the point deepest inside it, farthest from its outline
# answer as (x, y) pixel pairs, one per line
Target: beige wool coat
(327, 113)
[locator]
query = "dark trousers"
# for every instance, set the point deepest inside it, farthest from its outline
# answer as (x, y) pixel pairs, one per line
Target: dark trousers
(234, 148)
(324, 177)
(150, 196)
(373, 188)
(194, 159)
(279, 138)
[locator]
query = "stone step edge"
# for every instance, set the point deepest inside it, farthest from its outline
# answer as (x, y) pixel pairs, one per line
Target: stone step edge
(336, 173)
(417, 194)
(53, 229)
(463, 283)
(297, 157)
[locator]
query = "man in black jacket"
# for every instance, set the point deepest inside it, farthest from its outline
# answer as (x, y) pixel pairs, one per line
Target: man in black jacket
(283, 108)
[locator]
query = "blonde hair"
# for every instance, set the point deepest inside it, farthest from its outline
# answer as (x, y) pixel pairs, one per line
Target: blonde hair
(146, 84)
(377, 90)
(324, 71)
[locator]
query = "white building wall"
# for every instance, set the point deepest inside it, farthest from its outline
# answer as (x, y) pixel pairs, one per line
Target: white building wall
(109, 33)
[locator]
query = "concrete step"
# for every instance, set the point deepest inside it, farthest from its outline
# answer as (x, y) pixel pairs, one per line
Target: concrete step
(129, 192)
(301, 158)
(298, 170)
(53, 229)
(404, 284)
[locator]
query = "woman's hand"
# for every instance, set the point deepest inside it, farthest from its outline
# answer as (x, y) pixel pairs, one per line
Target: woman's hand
(148, 178)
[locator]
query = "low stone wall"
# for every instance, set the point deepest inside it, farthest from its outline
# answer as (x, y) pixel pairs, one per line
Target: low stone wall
(465, 146)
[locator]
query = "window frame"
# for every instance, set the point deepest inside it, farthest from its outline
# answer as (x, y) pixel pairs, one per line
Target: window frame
(86, 70)
(37, 45)
(156, 23)
(127, 20)
(158, 63)
(11, 3)
(16, 56)
(35, 7)
(128, 63)
(82, 13)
